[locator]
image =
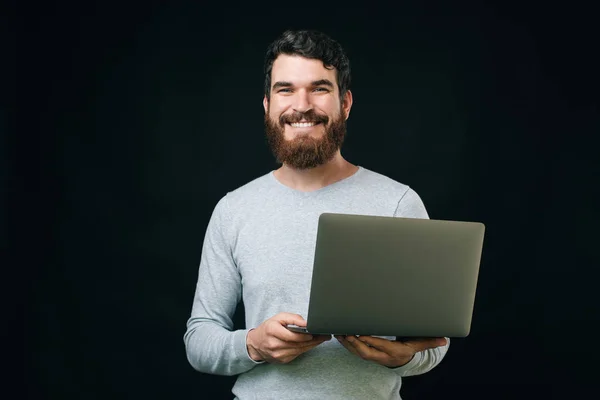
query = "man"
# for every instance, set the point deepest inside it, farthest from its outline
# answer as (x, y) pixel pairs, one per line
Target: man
(259, 246)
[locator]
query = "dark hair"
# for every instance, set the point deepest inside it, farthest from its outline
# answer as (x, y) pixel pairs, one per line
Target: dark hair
(309, 44)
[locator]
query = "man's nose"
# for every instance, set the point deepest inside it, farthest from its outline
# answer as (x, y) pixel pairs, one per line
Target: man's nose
(302, 102)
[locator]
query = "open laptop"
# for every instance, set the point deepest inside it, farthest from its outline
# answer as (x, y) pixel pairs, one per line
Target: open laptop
(391, 276)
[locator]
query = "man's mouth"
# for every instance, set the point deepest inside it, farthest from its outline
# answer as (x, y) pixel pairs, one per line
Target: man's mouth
(303, 124)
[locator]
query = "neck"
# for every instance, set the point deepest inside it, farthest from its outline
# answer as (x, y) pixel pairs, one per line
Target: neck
(316, 178)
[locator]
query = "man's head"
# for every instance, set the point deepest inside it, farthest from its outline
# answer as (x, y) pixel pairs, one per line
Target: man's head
(307, 98)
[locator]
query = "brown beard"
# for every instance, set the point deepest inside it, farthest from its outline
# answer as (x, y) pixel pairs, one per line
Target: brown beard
(305, 152)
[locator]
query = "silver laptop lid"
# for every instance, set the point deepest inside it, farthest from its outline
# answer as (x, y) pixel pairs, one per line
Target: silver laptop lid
(391, 276)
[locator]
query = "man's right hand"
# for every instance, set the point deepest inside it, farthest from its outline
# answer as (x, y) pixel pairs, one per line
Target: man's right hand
(272, 342)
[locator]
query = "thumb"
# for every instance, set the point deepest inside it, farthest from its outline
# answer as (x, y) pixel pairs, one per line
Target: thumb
(290, 319)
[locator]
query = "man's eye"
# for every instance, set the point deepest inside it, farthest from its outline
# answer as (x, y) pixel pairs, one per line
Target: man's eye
(321, 89)
(284, 90)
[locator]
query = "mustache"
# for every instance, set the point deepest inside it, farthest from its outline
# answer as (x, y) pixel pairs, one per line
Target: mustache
(308, 116)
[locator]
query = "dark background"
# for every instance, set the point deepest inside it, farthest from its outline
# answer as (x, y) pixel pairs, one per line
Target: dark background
(145, 115)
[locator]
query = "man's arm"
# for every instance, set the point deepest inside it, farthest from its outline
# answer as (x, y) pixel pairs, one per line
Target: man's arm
(424, 361)
(411, 206)
(408, 358)
(210, 342)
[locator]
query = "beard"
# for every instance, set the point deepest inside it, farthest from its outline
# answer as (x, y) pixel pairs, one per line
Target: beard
(305, 152)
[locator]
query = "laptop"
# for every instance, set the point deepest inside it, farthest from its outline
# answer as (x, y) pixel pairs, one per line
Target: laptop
(393, 276)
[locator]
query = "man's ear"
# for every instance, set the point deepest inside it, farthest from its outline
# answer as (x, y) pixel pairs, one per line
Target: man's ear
(266, 104)
(347, 103)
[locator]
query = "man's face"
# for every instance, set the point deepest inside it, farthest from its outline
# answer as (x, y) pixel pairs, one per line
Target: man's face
(305, 121)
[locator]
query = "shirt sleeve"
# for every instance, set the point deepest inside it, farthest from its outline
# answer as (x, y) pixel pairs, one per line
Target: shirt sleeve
(211, 344)
(424, 361)
(411, 206)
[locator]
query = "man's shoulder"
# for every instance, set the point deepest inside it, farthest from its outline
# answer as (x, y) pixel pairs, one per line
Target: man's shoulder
(381, 182)
(407, 201)
(249, 190)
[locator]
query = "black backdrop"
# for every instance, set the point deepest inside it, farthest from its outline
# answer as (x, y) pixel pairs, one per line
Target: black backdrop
(150, 113)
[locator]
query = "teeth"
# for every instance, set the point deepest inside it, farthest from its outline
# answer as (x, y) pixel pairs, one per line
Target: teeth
(302, 124)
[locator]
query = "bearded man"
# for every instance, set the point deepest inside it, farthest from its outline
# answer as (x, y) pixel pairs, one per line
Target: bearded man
(259, 246)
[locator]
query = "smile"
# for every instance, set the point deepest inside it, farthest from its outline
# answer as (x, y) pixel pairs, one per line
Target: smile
(303, 124)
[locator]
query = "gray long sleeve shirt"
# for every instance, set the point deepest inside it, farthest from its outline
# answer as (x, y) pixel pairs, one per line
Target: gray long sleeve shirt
(259, 248)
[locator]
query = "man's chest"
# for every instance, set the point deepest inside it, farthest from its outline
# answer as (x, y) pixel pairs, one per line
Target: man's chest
(275, 256)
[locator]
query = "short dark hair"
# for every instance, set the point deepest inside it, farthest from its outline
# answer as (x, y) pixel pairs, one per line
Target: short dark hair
(309, 44)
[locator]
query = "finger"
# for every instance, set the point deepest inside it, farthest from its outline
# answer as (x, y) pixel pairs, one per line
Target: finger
(280, 351)
(283, 333)
(311, 343)
(380, 344)
(290, 319)
(347, 345)
(304, 347)
(392, 349)
(425, 344)
(294, 337)
(306, 338)
(284, 319)
(365, 351)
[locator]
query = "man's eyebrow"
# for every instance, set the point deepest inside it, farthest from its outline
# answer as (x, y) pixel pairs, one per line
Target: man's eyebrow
(323, 82)
(279, 84)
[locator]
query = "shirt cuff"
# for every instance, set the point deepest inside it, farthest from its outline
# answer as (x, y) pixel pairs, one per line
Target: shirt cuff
(416, 360)
(244, 347)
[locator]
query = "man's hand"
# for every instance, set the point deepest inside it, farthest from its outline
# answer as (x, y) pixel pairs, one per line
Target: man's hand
(390, 353)
(271, 341)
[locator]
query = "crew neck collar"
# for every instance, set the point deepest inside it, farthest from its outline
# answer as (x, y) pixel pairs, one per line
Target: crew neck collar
(320, 190)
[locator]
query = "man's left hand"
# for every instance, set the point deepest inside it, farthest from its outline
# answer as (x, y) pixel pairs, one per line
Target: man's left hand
(390, 353)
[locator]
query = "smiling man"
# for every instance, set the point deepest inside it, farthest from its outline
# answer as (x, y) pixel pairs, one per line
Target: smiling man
(259, 246)
(305, 116)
